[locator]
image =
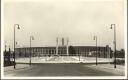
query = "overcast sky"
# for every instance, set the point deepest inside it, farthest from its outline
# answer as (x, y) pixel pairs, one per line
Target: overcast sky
(79, 20)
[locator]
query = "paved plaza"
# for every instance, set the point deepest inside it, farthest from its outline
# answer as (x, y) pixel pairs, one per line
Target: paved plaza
(63, 69)
(64, 59)
(63, 66)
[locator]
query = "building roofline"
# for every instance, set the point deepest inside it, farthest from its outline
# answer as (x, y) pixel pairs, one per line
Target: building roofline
(55, 46)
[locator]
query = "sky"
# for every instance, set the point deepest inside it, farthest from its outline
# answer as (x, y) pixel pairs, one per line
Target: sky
(78, 20)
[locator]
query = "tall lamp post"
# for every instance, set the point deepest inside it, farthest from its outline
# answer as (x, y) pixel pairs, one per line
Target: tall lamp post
(95, 38)
(31, 38)
(15, 25)
(113, 26)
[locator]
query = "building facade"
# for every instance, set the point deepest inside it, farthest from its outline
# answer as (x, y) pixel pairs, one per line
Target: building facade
(87, 51)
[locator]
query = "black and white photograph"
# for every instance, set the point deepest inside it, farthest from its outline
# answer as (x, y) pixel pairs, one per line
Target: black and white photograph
(64, 39)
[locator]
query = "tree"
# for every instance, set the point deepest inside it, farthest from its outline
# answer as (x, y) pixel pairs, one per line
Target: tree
(72, 50)
(122, 53)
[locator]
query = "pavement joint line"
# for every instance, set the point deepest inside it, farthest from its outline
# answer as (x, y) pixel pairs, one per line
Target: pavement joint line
(10, 68)
(120, 72)
(108, 67)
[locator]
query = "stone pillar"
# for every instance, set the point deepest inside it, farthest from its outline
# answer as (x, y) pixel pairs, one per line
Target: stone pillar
(67, 47)
(57, 46)
(41, 52)
(109, 49)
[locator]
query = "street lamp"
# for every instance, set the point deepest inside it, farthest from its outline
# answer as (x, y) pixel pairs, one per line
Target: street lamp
(31, 38)
(95, 38)
(113, 25)
(15, 25)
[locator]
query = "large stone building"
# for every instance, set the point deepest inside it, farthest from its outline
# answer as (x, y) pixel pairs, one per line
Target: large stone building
(62, 48)
(88, 51)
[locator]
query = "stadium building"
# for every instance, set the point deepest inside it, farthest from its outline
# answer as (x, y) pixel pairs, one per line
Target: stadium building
(62, 49)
